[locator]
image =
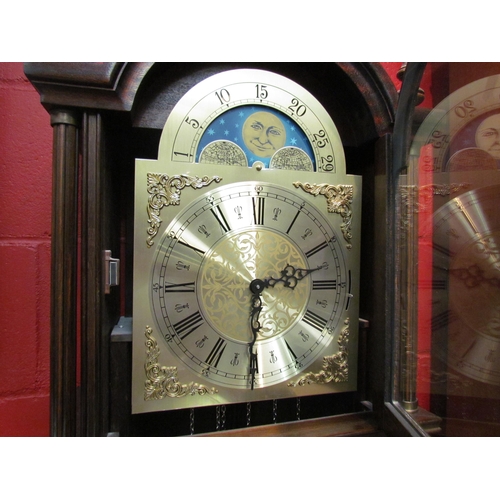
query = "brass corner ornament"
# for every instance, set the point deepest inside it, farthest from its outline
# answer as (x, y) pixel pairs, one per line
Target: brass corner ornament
(338, 200)
(162, 381)
(164, 191)
(419, 199)
(335, 367)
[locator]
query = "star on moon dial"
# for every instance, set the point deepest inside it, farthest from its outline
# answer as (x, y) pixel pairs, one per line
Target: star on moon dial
(200, 284)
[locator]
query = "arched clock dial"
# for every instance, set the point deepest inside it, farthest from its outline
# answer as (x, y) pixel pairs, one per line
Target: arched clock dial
(466, 298)
(246, 250)
(261, 114)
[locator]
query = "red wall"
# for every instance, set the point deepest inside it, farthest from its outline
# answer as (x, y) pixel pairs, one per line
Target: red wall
(25, 227)
(25, 231)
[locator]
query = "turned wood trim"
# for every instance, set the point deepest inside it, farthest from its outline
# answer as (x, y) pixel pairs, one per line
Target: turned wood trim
(63, 403)
(378, 92)
(92, 413)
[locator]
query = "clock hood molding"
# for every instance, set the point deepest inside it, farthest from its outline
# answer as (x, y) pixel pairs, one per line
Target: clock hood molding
(142, 88)
(109, 85)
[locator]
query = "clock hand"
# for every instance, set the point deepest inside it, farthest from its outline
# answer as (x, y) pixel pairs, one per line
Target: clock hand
(256, 287)
(291, 276)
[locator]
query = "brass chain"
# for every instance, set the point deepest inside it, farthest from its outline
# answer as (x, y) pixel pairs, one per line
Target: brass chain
(223, 417)
(220, 417)
(217, 418)
(191, 421)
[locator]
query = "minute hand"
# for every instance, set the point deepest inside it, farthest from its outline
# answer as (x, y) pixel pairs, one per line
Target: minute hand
(290, 276)
(255, 326)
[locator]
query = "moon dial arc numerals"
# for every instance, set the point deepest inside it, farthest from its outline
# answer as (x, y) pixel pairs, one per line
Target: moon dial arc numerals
(200, 283)
(254, 114)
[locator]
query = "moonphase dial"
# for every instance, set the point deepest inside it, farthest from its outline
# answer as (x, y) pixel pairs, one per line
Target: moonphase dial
(263, 115)
(466, 123)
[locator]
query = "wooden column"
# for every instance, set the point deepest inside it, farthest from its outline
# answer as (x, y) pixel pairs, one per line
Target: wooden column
(94, 386)
(63, 388)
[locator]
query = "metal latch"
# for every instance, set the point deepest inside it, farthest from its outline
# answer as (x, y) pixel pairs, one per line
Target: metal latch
(111, 271)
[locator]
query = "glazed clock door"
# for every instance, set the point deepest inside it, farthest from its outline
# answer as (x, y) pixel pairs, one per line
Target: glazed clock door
(451, 200)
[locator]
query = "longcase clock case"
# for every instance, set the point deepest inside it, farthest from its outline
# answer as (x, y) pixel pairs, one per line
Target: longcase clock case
(104, 117)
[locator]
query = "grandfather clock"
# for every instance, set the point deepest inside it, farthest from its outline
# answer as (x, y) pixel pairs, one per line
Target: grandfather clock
(108, 116)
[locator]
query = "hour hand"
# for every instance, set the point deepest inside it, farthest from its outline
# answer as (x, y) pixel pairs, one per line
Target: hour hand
(290, 276)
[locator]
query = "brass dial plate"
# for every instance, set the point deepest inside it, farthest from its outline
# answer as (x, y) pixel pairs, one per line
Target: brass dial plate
(195, 299)
(250, 179)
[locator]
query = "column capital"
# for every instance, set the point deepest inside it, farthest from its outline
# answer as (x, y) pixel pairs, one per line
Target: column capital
(60, 116)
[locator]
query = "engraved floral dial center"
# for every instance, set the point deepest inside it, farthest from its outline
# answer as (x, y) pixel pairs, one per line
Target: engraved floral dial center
(475, 274)
(225, 277)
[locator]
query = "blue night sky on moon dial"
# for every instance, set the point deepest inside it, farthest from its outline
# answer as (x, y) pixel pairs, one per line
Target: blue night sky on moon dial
(258, 130)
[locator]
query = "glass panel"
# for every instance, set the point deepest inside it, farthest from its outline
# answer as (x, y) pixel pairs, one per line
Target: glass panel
(448, 279)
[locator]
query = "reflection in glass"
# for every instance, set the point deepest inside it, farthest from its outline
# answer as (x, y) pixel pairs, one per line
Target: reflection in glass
(448, 278)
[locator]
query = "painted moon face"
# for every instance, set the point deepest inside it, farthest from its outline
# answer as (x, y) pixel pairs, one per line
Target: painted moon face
(488, 136)
(263, 134)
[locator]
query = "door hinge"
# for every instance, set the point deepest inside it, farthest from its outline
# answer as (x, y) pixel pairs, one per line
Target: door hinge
(111, 271)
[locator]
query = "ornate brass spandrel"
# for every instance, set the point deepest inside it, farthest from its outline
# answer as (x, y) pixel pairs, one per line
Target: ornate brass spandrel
(162, 381)
(335, 367)
(338, 200)
(164, 191)
(418, 199)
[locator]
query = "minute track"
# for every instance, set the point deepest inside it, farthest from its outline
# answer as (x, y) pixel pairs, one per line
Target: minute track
(237, 209)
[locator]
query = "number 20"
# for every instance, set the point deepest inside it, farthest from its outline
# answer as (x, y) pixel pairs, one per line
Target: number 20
(297, 108)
